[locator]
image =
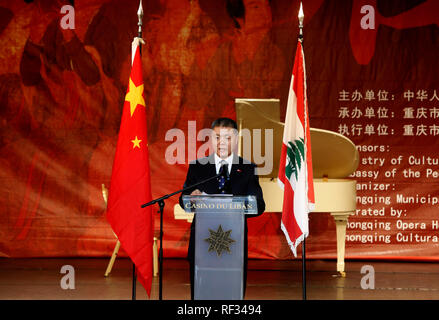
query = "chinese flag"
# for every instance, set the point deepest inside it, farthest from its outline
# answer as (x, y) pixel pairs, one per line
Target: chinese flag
(130, 179)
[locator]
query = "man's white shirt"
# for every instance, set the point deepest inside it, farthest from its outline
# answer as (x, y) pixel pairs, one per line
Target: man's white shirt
(218, 160)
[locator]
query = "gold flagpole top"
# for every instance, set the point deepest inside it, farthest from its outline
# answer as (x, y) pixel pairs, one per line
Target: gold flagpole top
(301, 17)
(140, 16)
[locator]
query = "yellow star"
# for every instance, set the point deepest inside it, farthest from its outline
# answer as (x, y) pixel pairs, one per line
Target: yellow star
(134, 96)
(136, 143)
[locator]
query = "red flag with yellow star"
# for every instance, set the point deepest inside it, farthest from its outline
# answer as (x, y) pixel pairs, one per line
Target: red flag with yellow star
(130, 179)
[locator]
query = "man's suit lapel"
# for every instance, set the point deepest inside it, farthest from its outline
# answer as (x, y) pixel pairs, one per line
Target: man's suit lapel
(235, 167)
(235, 172)
(210, 171)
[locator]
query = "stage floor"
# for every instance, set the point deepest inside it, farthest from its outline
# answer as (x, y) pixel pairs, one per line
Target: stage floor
(35, 279)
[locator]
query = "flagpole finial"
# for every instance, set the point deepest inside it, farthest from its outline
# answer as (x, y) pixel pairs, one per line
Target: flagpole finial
(301, 17)
(140, 16)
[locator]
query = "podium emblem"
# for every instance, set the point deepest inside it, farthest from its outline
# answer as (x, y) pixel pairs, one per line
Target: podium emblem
(219, 241)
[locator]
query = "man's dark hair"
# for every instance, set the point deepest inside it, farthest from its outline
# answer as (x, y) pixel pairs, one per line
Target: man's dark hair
(235, 9)
(225, 123)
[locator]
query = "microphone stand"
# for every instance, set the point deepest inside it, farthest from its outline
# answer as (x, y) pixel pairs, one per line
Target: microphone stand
(161, 202)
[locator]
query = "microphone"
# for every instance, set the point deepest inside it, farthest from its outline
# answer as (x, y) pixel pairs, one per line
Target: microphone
(179, 191)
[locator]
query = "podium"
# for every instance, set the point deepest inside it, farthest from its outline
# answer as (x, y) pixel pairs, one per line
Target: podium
(219, 244)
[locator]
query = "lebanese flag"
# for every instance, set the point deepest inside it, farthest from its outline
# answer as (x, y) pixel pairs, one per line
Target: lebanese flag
(295, 170)
(130, 179)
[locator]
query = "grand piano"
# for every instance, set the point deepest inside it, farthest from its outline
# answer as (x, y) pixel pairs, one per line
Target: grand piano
(334, 158)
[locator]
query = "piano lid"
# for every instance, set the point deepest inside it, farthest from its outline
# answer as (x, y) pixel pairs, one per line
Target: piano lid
(334, 155)
(260, 114)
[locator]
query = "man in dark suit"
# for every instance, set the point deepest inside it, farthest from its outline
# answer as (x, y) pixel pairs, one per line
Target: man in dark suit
(240, 179)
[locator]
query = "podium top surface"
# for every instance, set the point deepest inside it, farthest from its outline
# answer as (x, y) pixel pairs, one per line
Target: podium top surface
(220, 203)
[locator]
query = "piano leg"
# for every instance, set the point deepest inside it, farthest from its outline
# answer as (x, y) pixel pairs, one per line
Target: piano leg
(341, 219)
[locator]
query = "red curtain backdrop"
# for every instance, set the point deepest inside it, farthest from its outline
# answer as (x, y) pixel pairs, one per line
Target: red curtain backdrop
(61, 92)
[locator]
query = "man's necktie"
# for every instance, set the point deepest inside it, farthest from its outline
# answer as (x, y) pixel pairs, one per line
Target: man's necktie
(224, 172)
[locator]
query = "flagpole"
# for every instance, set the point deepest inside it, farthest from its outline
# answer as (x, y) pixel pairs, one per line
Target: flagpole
(161, 203)
(139, 34)
(140, 16)
(303, 270)
(301, 17)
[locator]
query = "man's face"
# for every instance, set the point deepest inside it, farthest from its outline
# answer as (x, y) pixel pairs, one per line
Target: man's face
(224, 141)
